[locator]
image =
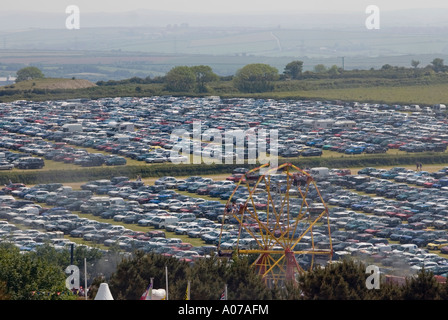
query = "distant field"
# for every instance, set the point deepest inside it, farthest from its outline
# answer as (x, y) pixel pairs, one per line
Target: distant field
(415, 94)
(405, 95)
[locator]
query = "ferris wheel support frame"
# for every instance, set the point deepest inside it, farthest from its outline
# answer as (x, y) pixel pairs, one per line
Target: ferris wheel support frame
(270, 259)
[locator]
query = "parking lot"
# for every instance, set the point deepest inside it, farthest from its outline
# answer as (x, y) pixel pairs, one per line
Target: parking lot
(112, 132)
(369, 218)
(396, 218)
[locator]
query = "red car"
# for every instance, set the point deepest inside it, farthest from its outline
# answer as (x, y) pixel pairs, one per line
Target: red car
(429, 184)
(183, 246)
(13, 186)
(236, 177)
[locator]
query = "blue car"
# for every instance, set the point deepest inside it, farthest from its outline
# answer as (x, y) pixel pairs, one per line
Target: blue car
(354, 150)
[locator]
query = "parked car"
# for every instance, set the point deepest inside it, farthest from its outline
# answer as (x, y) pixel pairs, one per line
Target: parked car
(4, 165)
(30, 163)
(115, 161)
(311, 152)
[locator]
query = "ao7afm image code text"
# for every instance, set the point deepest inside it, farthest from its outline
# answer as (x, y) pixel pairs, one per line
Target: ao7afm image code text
(231, 309)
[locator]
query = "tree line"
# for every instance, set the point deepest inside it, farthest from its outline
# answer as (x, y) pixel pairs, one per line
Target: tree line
(344, 280)
(260, 77)
(40, 275)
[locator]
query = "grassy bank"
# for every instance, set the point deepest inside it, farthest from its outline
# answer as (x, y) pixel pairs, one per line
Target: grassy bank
(425, 90)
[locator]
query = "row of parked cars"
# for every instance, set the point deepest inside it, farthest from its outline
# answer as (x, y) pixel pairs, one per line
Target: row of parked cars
(10, 160)
(141, 128)
(438, 179)
(60, 219)
(25, 152)
(377, 210)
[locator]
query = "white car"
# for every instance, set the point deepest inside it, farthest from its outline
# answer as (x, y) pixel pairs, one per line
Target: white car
(359, 246)
(4, 165)
(230, 244)
(156, 159)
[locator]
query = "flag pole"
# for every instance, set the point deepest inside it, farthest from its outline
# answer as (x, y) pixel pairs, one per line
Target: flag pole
(225, 292)
(187, 296)
(166, 280)
(85, 278)
(150, 289)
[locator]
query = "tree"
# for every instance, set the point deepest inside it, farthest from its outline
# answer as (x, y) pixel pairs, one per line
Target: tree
(257, 77)
(203, 75)
(320, 68)
(28, 277)
(334, 71)
(244, 283)
(294, 69)
(210, 272)
(29, 73)
(180, 79)
(134, 274)
(422, 287)
(207, 278)
(339, 281)
(415, 63)
(438, 65)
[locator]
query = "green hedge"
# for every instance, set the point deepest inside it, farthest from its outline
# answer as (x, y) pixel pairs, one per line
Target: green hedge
(350, 161)
(159, 170)
(87, 174)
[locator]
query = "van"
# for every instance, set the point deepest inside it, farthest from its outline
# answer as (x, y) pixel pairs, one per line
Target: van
(163, 221)
(409, 247)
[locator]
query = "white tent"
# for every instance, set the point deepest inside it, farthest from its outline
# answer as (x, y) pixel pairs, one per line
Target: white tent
(103, 292)
(158, 294)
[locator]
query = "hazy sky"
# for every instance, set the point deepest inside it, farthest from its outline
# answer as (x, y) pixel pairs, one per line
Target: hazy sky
(216, 6)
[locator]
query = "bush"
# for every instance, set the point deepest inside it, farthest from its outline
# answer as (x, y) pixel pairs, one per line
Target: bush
(257, 77)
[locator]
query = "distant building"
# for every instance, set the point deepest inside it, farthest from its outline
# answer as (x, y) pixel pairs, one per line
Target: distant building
(4, 81)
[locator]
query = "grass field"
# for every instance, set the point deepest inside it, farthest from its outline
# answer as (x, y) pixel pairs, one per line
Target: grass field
(426, 95)
(425, 91)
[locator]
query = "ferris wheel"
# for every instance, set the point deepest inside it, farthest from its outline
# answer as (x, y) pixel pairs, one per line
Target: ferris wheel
(278, 215)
